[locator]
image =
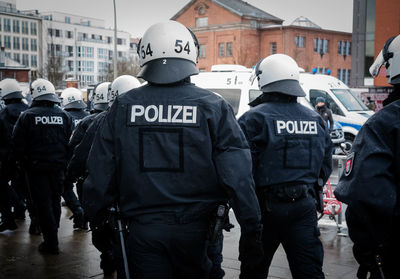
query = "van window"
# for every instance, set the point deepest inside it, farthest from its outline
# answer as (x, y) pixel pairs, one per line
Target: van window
(349, 101)
(330, 103)
(253, 94)
(232, 96)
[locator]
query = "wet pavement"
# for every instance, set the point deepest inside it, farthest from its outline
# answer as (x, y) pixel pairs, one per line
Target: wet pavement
(78, 258)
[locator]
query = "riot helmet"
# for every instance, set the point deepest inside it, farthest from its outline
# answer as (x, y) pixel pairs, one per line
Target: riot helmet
(10, 89)
(43, 90)
(278, 73)
(121, 85)
(389, 57)
(100, 96)
(168, 53)
(72, 98)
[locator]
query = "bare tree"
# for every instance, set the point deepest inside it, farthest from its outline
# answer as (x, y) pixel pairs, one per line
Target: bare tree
(128, 66)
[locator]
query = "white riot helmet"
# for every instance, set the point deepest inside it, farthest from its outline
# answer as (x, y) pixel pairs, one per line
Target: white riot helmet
(43, 90)
(72, 98)
(168, 53)
(278, 73)
(100, 96)
(10, 89)
(121, 85)
(390, 58)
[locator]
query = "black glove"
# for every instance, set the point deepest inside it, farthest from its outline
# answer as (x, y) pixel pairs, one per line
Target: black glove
(368, 259)
(251, 256)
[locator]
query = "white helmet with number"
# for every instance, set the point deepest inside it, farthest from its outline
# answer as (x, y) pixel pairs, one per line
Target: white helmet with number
(100, 96)
(43, 90)
(121, 85)
(278, 73)
(390, 58)
(10, 89)
(168, 53)
(72, 98)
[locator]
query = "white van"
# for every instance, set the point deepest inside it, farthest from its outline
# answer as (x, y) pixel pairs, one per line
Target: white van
(234, 85)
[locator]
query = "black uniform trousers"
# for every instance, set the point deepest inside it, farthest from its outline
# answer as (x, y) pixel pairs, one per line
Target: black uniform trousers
(161, 247)
(5, 204)
(46, 188)
(294, 225)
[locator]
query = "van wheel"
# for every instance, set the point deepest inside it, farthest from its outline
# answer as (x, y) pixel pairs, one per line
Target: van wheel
(348, 141)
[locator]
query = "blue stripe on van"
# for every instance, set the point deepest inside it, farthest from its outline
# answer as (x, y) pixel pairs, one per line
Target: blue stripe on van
(355, 126)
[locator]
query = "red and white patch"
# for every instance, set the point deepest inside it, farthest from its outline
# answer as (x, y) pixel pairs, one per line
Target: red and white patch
(349, 164)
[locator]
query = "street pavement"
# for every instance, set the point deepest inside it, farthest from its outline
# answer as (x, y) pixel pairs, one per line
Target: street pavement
(19, 257)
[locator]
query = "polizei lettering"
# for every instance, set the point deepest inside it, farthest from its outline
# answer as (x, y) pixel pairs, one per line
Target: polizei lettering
(49, 120)
(163, 114)
(296, 127)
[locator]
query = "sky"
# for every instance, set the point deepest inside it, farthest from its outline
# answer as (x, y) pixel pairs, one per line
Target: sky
(136, 16)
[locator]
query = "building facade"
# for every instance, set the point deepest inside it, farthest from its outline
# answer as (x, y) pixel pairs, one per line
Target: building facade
(235, 32)
(374, 21)
(82, 45)
(20, 35)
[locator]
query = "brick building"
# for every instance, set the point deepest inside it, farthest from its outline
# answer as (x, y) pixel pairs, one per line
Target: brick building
(235, 32)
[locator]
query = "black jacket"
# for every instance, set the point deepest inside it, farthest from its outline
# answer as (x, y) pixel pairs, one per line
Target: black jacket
(326, 115)
(77, 115)
(41, 135)
(370, 184)
(289, 142)
(171, 149)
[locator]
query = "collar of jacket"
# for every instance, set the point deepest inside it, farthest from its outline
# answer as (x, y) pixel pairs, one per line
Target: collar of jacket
(273, 97)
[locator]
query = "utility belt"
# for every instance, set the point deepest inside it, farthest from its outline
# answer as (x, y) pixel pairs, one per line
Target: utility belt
(284, 192)
(169, 218)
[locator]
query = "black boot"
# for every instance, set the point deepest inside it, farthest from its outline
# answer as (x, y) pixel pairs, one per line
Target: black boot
(44, 248)
(34, 228)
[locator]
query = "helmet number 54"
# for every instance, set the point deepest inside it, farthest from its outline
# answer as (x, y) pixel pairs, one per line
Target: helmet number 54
(179, 47)
(147, 52)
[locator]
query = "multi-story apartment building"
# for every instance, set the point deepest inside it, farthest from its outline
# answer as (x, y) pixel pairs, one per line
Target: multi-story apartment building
(20, 35)
(82, 45)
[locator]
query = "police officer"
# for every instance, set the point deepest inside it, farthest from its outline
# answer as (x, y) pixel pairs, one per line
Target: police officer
(72, 101)
(40, 144)
(324, 111)
(291, 150)
(11, 94)
(370, 184)
(168, 153)
(104, 95)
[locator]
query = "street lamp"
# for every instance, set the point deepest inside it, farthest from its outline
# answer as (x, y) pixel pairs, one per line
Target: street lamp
(115, 41)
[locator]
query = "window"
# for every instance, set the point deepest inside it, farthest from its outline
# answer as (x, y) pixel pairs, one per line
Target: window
(300, 41)
(85, 66)
(314, 94)
(25, 28)
(25, 60)
(7, 26)
(121, 41)
(15, 43)
(232, 96)
(83, 51)
(120, 54)
(16, 57)
(33, 45)
(321, 45)
(68, 34)
(25, 44)
(109, 40)
(202, 52)
(16, 26)
(33, 28)
(67, 19)
(254, 94)
(272, 48)
(344, 48)
(344, 75)
(221, 49)
(8, 54)
(70, 65)
(69, 50)
(0, 24)
(102, 53)
(33, 60)
(349, 101)
(229, 51)
(7, 42)
(58, 33)
(102, 67)
(201, 21)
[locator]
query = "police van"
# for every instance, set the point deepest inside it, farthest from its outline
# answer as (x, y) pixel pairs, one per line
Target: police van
(232, 82)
